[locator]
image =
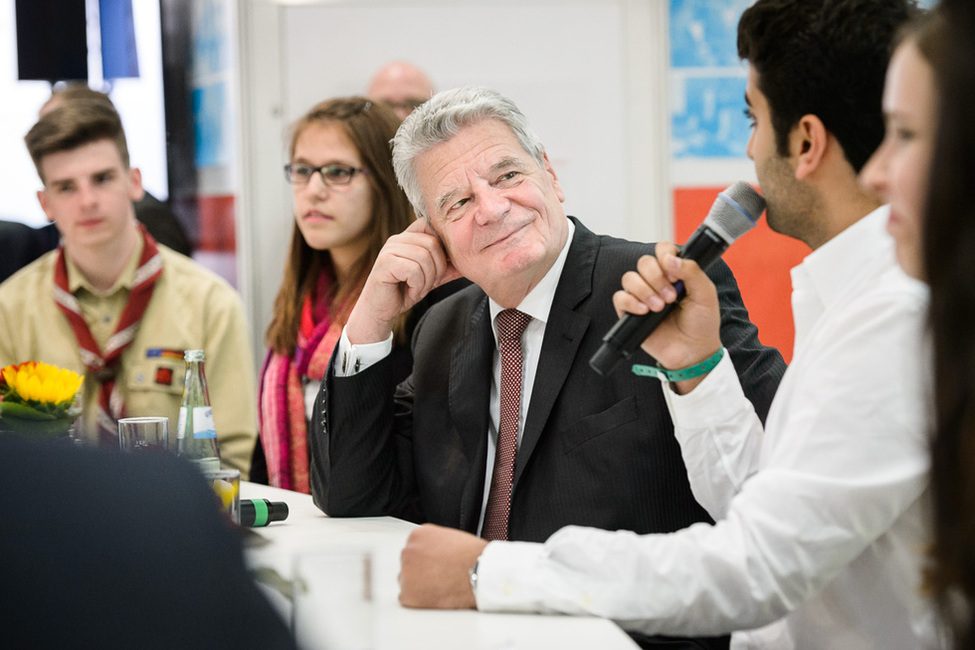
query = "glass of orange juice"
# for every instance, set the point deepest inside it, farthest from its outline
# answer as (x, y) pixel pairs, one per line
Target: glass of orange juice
(226, 486)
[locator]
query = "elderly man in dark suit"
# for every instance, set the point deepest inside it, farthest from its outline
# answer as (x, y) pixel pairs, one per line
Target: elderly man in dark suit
(508, 445)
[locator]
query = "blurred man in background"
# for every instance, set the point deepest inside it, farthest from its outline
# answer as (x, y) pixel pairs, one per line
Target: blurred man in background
(402, 86)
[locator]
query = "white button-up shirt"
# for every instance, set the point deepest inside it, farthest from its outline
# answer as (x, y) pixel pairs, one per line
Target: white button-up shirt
(820, 515)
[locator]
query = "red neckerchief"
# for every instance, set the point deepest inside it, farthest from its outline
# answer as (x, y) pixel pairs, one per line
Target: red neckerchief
(315, 321)
(103, 366)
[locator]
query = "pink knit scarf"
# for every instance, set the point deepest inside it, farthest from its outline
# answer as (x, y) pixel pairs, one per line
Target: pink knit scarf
(281, 407)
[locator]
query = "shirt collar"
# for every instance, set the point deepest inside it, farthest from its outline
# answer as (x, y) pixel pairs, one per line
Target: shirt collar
(830, 269)
(126, 280)
(538, 302)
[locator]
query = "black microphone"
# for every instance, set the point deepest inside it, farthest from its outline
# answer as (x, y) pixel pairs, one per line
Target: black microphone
(734, 212)
(261, 512)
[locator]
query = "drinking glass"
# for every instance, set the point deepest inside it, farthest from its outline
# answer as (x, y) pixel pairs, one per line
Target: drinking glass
(332, 606)
(226, 485)
(137, 435)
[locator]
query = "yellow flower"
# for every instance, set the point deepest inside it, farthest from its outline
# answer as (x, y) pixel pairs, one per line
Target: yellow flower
(41, 382)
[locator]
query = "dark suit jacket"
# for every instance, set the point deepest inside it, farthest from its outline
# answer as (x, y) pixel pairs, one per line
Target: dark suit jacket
(596, 451)
(20, 245)
(162, 223)
(105, 550)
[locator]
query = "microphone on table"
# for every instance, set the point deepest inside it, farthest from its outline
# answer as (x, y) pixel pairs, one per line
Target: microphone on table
(261, 512)
(734, 212)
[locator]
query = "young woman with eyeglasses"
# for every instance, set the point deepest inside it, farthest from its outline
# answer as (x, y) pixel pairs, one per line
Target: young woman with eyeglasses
(346, 204)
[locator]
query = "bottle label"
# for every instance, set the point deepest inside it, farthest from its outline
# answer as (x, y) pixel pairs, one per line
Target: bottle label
(203, 426)
(201, 420)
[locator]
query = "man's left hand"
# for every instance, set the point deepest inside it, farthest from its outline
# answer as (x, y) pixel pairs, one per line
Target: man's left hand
(434, 568)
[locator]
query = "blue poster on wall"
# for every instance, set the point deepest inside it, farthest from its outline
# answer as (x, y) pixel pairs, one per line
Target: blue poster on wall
(211, 69)
(707, 80)
(120, 57)
(209, 124)
(711, 122)
(704, 33)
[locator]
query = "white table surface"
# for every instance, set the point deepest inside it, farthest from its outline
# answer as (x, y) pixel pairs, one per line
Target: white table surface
(309, 534)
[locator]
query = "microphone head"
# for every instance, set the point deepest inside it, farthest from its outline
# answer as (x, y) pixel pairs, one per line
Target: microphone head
(735, 211)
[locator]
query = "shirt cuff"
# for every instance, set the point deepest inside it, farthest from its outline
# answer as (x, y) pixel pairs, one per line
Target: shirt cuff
(706, 404)
(353, 359)
(501, 572)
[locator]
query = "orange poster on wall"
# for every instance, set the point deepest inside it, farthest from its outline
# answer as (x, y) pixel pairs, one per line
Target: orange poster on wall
(760, 260)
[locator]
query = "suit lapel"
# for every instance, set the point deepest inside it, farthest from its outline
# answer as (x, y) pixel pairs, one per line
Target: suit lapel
(469, 398)
(563, 336)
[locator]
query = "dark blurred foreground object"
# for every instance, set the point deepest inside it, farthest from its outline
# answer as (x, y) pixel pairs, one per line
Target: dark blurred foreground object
(106, 550)
(21, 244)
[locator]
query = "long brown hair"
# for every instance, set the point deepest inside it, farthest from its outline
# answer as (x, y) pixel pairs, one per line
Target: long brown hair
(369, 127)
(949, 263)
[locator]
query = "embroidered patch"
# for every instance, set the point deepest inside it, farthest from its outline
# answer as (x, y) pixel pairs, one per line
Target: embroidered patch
(154, 353)
(164, 376)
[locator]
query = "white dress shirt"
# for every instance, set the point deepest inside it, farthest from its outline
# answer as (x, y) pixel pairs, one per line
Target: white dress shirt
(820, 516)
(537, 304)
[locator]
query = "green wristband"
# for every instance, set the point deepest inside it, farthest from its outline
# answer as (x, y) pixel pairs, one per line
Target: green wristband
(681, 374)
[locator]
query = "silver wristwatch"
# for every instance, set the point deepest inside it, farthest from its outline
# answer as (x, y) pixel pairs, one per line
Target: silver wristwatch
(472, 573)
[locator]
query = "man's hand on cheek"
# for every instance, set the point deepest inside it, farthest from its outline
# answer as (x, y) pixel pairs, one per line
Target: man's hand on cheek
(409, 266)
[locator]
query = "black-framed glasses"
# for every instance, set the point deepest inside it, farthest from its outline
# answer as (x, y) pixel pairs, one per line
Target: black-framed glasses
(332, 174)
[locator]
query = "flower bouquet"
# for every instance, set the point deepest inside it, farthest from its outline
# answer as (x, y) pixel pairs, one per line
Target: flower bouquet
(38, 400)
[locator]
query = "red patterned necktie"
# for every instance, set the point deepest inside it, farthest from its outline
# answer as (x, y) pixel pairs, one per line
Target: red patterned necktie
(103, 366)
(511, 323)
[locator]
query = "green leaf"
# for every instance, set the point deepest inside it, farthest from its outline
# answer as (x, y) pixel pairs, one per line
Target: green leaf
(22, 411)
